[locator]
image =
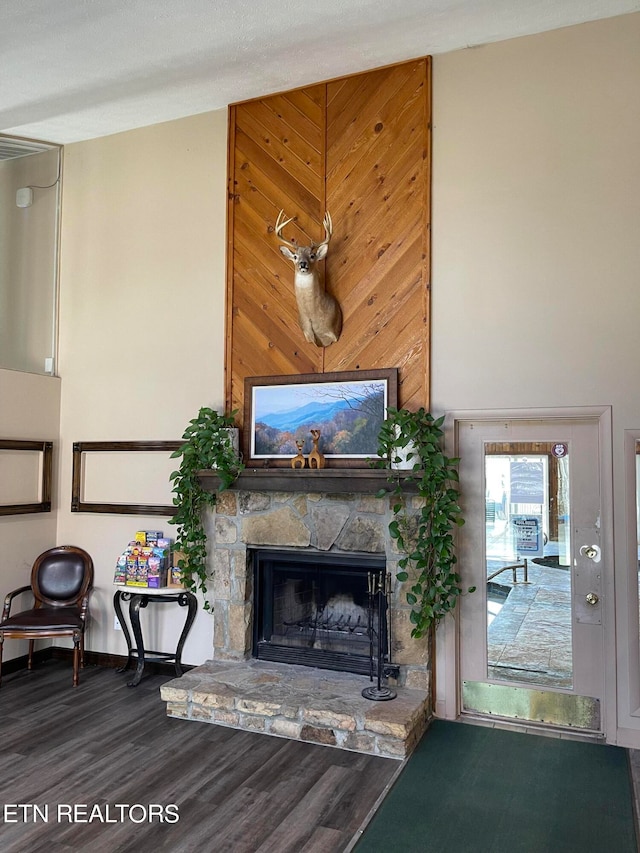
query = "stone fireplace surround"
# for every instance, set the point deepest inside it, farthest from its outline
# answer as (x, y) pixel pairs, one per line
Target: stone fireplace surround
(293, 701)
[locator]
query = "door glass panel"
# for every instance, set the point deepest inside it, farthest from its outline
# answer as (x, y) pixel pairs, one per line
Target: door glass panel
(528, 564)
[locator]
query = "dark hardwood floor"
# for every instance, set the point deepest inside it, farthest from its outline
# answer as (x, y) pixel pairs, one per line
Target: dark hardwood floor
(101, 768)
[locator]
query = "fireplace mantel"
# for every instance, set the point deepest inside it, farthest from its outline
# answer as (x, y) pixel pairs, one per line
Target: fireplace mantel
(325, 480)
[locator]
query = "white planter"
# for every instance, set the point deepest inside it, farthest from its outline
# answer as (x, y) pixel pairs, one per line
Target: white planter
(404, 463)
(234, 437)
(402, 453)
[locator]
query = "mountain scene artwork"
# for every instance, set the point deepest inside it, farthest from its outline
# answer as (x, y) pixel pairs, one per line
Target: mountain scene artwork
(348, 414)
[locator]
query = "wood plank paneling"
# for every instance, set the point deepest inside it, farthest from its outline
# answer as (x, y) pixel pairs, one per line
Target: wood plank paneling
(359, 147)
(377, 188)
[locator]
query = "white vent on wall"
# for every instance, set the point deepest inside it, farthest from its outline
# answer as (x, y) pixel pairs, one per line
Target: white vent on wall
(11, 148)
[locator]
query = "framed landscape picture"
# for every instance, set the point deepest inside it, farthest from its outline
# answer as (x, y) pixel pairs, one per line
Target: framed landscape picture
(348, 408)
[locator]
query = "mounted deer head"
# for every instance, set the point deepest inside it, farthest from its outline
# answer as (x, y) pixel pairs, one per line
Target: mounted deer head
(319, 313)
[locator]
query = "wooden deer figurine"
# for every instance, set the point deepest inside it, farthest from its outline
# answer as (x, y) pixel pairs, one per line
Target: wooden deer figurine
(315, 456)
(318, 312)
(299, 461)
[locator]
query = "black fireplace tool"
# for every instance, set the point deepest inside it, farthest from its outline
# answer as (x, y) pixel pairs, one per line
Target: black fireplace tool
(379, 589)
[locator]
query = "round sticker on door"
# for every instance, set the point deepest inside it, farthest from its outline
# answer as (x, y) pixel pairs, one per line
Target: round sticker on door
(559, 450)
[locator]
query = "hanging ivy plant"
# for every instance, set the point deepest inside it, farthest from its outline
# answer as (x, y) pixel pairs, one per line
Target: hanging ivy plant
(207, 444)
(425, 535)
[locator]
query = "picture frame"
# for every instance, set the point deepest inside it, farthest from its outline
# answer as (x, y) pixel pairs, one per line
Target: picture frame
(81, 448)
(348, 407)
(45, 450)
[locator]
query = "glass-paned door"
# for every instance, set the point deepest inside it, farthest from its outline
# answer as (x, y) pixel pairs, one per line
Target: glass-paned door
(532, 634)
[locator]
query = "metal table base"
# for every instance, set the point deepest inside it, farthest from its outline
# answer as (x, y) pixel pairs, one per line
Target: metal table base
(137, 651)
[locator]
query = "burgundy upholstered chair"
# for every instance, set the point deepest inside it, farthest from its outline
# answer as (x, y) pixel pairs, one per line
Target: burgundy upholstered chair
(61, 580)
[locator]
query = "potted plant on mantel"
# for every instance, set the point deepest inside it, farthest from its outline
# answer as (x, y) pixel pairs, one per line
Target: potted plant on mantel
(426, 534)
(209, 443)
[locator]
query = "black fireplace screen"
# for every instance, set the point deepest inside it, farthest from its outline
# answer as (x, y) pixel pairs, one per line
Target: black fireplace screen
(317, 609)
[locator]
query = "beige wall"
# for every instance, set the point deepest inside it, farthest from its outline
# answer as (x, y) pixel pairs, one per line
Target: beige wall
(536, 184)
(536, 249)
(535, 221)
(141, 321)
(29, 410)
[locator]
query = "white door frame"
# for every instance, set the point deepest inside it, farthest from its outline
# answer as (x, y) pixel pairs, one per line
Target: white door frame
(447, 660)
(628, 656)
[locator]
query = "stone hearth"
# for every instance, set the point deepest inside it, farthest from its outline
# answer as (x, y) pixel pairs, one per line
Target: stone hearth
(287, 700)
(300, 703)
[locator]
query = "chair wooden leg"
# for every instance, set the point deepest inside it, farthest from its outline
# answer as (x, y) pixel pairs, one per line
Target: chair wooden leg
(76, 661)
(82, 650)
(30, 662)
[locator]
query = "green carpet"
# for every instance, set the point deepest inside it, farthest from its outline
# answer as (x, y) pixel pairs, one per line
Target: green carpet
(471, 789)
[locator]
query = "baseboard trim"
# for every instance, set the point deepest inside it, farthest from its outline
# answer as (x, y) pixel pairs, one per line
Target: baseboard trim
(103, 659)
(109, 661)
(22, 662)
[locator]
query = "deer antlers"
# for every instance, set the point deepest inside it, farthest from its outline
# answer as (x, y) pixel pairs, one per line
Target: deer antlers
(279, 226)
(281, 222)
(328, 227)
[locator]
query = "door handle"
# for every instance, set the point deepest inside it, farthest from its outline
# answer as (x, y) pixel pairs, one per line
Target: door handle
(592, 598)
(592, 552)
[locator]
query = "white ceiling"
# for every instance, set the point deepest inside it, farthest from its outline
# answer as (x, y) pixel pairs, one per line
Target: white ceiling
(76, 69)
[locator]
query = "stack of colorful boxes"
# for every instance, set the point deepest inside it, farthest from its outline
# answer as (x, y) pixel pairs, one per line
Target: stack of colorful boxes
(146, 561)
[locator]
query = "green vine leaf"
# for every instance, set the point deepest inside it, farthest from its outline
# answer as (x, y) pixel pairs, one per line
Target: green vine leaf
(208, 444)
(425, 535)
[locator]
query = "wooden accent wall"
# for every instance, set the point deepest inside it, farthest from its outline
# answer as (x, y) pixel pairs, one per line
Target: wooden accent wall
(360, 148)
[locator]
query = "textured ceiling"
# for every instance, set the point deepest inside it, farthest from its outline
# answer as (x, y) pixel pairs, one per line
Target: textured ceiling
(77, 69)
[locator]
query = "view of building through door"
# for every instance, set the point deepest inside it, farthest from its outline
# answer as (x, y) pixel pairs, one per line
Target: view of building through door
(527, 535)
(531, 635)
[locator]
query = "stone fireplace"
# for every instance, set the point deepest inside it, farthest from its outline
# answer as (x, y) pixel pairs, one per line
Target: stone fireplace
(322, 529)
(353, 525)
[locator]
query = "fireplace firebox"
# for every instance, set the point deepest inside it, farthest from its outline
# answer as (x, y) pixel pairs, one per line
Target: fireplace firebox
(319, 609)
